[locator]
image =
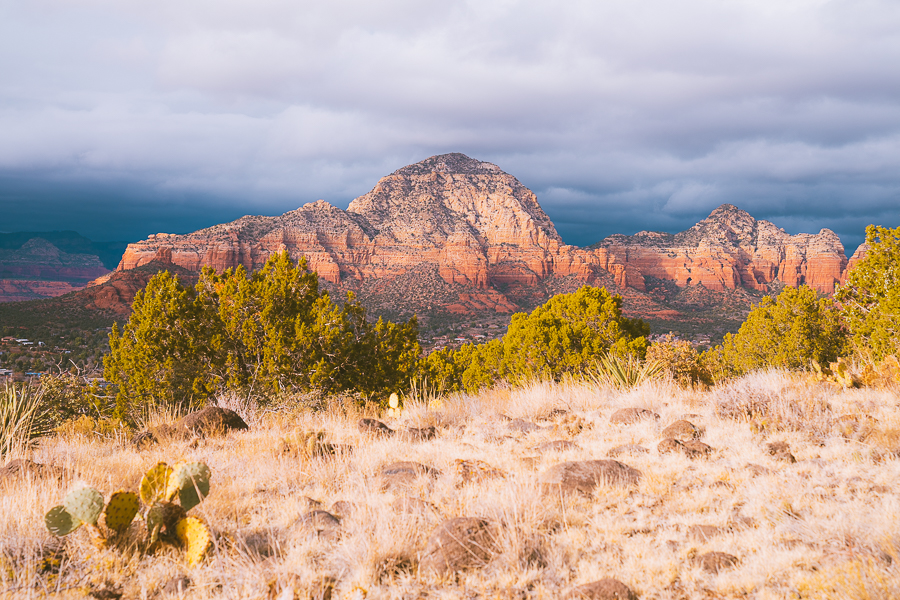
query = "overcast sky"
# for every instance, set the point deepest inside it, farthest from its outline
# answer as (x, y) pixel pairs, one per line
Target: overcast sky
(120, 119)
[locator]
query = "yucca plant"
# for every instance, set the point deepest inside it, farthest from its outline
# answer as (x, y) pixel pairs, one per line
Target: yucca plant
(624, 372)
(23, 418)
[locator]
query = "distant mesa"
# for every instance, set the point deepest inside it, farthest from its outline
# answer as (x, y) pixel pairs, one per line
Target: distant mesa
(451, 220)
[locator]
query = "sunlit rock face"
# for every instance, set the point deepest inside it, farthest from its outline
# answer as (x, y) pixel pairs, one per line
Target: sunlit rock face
(481, 230)
(727, 250)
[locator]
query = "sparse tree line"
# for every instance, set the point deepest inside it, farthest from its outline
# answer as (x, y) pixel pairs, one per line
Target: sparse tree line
(275, 333)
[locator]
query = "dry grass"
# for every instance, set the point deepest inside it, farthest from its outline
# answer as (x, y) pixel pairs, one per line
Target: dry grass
(826, 526)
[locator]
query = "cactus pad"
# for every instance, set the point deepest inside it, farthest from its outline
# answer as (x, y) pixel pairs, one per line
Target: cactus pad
(59, 522)
(153, 484)
(196, 538)
(84, 504)
(121, 510)
(163, 516)
(190, 482)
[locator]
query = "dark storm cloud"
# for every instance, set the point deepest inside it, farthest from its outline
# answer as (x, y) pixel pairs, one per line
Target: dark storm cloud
(146, 116)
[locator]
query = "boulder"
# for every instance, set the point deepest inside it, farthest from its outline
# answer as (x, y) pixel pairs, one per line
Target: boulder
(320, 523)
(413, 434)
(682, 430)
(603, 589)
(780, 451)
(374, 427)
(403, 474)
(583, 476)
(714, 562)
(459, 544)
(627, 416)
(212, 420)
(468, 471)
(626, 449)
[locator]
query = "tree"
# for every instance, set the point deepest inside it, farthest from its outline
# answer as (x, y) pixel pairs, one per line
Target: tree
(563, 336)
(871, 296)
(268, 332)
(788, 332)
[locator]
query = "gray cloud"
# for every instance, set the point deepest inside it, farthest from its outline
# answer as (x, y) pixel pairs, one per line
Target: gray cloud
(620, 115)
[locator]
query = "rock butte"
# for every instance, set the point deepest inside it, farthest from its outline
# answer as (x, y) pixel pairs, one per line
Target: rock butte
(479, 227)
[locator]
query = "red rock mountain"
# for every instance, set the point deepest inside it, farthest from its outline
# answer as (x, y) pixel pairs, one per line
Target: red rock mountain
(474, 238)
(39, 269)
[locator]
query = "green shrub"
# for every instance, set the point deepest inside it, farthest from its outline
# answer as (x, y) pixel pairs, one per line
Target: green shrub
(789, 332)
(565, 336)
(269, 332)
(870, 299)
(681, 360)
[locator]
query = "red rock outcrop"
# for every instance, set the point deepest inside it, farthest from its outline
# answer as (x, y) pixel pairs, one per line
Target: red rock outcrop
(479, 228)
(38, 269)
(727, 250)
(476, 224)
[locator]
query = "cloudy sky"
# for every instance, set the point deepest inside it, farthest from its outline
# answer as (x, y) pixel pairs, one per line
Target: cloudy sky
(120, 119)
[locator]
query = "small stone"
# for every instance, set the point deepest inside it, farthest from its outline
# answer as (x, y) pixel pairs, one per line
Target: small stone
(627, 449)
(780, 451)
(342, 508)
(556, 446)
(604, 589)
(321, 523)
(459, 544)
(212, 420)
(522, 426)
(374, 427)
(696, 449)
(178, 585)
(627, 416)
(20, 467)
(469, 471)
(682, 430)
(404, 474)
(713, 562)
(412, 434)
(584, 476)
(704, 533)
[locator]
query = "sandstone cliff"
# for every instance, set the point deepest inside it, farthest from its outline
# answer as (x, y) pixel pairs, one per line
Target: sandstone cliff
(461, 234)
(39, 269)
(727, 250)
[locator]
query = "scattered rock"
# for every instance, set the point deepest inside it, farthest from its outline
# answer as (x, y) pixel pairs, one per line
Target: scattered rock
(691, 448)
(469, 471)
(373, 427)
(321, 523)
(713, 562)
(209, 421)
(584, 476)
(342, 508)
(696, 449)
(739, 521)
(21, 467)
(704, 533)
(604, 589)
(459, 544)
(404, 474)
(522, 426)
(556, 446)
(626, 449)
(154, 435)
(682, 430)
(177, 585)
(106, 592)
(412, 434)
(757, 470)
(627, 416)
(780, 451)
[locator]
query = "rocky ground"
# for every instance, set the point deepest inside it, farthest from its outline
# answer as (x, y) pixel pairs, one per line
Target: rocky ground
(769, 487)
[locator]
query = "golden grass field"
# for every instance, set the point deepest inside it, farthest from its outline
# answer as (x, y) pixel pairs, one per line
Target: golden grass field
(824, 526)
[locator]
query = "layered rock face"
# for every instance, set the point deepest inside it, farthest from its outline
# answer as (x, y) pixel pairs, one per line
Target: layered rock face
(481, 230)
(476, 224)
(727, 250)
(38, 269)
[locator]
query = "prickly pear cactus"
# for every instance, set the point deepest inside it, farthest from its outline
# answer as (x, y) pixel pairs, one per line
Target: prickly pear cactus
(163, 517)
(121, 510)
(59, 522)
(154, 482)
(84, 504)
(196, 538)
(190, 482)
